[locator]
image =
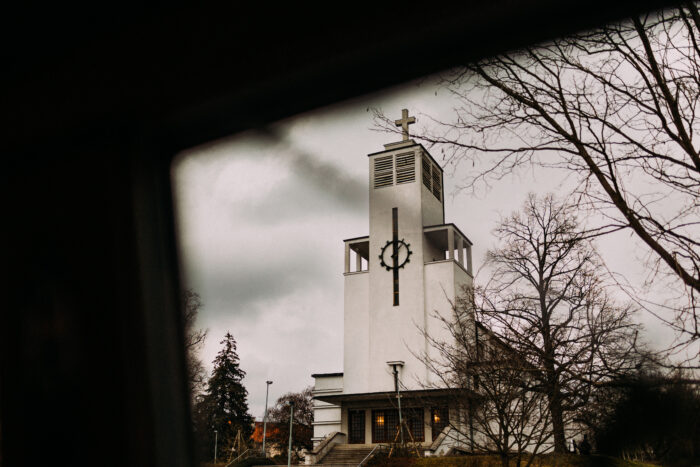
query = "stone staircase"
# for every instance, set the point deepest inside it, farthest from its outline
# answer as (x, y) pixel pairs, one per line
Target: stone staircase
(346, 454)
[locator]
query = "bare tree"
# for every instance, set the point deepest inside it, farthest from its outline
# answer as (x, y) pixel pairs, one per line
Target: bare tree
(303, 419)
(546, 301)
(616, 107)
(194, 340)
(507, 413)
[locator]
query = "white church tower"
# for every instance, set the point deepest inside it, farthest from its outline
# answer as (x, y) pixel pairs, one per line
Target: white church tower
(410, 266)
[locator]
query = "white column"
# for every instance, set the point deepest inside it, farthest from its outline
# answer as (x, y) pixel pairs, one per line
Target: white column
(450, 243)
(347, 257)
(358, 262)
(469, 260)
(460, 250)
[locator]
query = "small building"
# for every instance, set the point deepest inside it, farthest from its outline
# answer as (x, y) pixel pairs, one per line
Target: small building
(410, 265)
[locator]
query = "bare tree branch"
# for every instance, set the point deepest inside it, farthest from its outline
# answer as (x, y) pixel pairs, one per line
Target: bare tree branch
(617, 107)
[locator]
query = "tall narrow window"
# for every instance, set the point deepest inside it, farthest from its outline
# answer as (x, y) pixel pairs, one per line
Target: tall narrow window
(415, 422)
(439, 419)
(356, 426)
(379, 432)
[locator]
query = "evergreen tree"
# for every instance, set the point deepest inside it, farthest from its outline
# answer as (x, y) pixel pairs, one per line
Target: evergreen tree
(224, 406)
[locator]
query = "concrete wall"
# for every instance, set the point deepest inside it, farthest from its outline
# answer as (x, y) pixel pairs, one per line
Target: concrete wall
(439, 296)
(444, 281)
(327, 417)
(356, 322)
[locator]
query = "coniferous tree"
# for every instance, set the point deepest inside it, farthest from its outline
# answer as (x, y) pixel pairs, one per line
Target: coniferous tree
(224, 406)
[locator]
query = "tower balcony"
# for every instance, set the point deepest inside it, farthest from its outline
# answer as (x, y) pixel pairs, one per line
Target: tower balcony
(356, 255)
(445, 242)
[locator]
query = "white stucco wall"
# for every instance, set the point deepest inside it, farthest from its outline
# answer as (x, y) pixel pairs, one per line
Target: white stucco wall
(439, 296)
(444, 281)
(327, 417)
(356, 324)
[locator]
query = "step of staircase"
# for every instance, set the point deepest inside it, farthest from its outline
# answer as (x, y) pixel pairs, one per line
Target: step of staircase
(346, 454)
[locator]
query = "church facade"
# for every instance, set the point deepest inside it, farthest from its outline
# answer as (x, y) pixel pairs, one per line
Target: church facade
(410, 266)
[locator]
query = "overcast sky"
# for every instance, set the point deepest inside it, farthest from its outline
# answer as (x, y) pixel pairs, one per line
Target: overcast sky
(262, 215)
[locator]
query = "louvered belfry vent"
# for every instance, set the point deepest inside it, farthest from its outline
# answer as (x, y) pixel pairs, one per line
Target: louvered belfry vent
(405, 167)
(426, 172)
(432, 177)
(383, 171)
(437, 185)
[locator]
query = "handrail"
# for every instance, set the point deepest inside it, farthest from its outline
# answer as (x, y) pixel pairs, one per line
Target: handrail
(368, 456)
(244, 453)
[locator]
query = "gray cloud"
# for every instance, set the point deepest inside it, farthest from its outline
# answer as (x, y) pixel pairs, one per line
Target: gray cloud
(330, 179)
(238, 287)
(345, 190)
(296, 200)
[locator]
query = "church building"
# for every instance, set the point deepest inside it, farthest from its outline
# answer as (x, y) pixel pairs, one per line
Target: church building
(410, 266)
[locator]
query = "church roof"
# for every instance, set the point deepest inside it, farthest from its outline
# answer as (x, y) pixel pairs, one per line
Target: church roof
(384, 395)
(325, 375)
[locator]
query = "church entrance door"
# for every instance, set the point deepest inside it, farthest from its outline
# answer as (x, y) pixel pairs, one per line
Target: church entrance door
(357, 426)
(385, 424)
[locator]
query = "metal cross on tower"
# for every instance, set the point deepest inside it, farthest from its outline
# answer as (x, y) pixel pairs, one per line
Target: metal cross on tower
(404, 121)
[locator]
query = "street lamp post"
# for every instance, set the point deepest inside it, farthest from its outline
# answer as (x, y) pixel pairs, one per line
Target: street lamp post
(291, 421)
(267, 391)
(216, 441)
(397, 387)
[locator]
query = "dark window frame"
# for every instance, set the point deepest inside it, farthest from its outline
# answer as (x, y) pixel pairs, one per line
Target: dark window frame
(443, 412)
(356, 434)
(386, 433)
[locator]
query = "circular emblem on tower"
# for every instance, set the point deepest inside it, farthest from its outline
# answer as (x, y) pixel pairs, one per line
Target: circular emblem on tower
(395, 254)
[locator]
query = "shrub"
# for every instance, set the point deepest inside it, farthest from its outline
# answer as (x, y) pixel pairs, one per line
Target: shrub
(253, 461)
